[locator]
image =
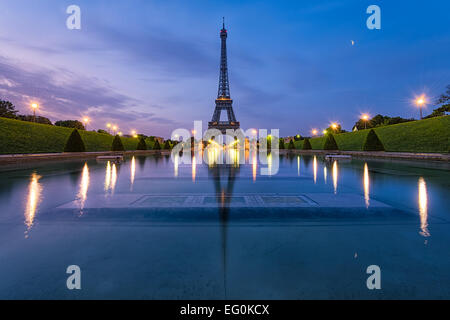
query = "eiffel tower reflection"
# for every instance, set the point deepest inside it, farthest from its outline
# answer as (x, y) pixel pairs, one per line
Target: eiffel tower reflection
(224, 195)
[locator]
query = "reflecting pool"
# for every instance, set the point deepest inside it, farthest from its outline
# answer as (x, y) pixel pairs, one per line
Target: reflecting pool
(153, 228)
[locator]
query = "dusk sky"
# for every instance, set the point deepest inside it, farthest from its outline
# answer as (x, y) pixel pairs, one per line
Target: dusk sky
(153, 66)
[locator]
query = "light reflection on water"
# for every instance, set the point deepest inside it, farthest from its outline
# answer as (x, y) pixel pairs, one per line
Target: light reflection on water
(315, 169)
(110, 177)
(335, 176)
(423, 207)
(33, 200)
(83, 189)
(366, 185)
(132, 171)
(325, 174)
(194, 168)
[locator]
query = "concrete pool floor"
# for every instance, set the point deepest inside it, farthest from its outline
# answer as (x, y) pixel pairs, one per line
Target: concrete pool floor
(237, 261)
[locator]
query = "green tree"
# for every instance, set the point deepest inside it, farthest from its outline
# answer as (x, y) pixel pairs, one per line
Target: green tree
(291, 145)
(141, 144)
(167, 145)
(281, 144)
(337, 128)
(307, 144)
(156, 146)
(7, 109)
(102, 131)
(75, 143)
(38, 119)
(70, 124)
(373, 143)
(444, 101)
(330, 143)
(117, 144)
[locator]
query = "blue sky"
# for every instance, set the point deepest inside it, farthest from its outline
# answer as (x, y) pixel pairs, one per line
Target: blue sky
(153, 66)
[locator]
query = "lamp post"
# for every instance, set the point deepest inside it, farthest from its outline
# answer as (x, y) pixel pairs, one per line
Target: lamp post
(314, 132)
(115, 129)
(334, 126)
(365, 118)
(108, 125)
(34, 106)
(420, 102)
(85, 121)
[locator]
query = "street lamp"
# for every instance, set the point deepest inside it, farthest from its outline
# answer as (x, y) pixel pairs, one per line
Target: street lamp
(120, 134)
(115, 129)
(365, 118)
(334, 126)
(86, 121)
(108, 125)
(314, 132)
(34, 106)
(325, 132)
(134, 134)
(420, 102)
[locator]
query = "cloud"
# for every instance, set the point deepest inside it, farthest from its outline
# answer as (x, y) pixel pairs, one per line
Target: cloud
(64, 94)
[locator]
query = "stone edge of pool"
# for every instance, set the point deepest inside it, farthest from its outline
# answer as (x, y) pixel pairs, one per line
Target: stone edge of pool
(26, 158)
(376, 154)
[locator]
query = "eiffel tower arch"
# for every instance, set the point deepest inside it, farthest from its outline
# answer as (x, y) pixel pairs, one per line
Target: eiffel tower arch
(224, 103)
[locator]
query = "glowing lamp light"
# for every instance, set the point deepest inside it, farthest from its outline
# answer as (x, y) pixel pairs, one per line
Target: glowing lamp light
(314, 132)
(34, 106)
(108, 125)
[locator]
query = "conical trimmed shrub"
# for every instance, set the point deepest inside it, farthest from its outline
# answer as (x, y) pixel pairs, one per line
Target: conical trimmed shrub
(141, 144)
(330, 143)
(307, 145)
(373, 143)
(167, 145)
(75, 143)
(291, 145)
(156, 146)
(117, 144)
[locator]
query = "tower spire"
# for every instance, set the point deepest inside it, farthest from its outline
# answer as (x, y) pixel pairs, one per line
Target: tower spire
(223, 23)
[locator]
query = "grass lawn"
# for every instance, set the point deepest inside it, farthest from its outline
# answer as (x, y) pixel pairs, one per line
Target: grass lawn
(429, 135)
(17, 137)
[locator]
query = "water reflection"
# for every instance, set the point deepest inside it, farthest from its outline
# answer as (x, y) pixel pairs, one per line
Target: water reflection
(298, 166)
(84, 186)
(224, 194)
(254, 165)
(366, 185)
(315, 168)
(194, 168)
(110, 176)
(423, 207)
(33, 200)
(335, 176)
(176, 160)
(325, 174)
(133, 171)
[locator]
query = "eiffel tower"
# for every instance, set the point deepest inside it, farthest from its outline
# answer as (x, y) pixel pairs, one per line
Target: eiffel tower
(223, 101)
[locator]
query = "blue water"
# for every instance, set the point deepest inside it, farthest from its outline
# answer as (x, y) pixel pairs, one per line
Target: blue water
(53, 215)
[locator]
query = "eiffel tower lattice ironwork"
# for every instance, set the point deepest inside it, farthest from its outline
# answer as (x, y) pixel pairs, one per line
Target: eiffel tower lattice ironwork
(223, 101)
